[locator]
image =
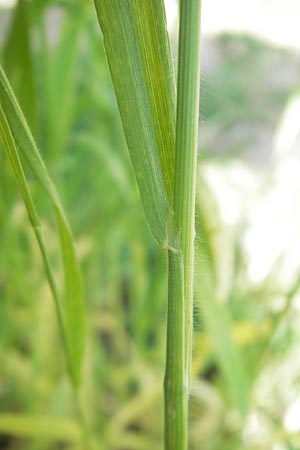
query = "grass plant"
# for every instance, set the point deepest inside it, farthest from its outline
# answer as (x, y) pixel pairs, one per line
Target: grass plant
(66, 92)
(182, 230)
(138, 51)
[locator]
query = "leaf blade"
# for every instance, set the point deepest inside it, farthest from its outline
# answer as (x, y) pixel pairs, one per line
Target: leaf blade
(215, 314)
(139, 57)
(18, 60)
(18, 140)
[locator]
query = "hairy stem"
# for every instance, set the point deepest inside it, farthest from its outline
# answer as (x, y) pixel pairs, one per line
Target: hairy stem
(182, 231)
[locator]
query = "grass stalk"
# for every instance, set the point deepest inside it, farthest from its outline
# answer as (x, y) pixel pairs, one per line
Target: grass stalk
(182, 231)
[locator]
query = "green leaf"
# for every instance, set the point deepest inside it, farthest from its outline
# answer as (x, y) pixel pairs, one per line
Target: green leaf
(19, 145)
(18, 61)
(138, 52)
(51, 428)
(219, 326)
(61, 71)
(215, 314)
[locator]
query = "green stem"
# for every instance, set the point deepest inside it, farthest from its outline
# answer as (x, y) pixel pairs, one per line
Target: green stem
(182, 231)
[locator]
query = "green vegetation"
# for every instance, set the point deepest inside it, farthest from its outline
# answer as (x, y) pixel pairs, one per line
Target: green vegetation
(81, 375)
(144, 81)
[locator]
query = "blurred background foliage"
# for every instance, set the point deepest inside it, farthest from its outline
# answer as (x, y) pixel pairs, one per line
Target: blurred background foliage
(246, 355)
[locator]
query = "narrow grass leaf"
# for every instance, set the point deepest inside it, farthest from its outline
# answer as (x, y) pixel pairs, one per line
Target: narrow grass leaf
(19, 144)
(218, 323)
(18, 61)
(61, 68)
(138, 52)
(50, 428)
(215, 315)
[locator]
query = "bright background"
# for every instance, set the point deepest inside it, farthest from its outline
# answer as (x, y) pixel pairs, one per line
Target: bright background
(246, 391)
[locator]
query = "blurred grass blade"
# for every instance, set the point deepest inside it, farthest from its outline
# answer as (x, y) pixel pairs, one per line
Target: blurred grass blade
(215, 314)
(19, 144)
(50, 428)
(18, 61)
(219, 327)
(61, 68)
(138, 52)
